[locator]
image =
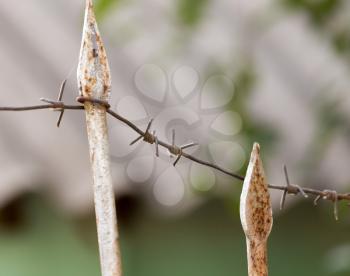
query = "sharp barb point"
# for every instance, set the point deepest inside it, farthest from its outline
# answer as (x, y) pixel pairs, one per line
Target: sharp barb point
(177, 160)
(136, 140)
(63, 86)
(149, 125)
(283, 199)
(60, 118)
(173, 137)
(45, 100)
(189, 145)
(156, 143)
(317, 199)
(335, 202)
(60, 96)
(336, 210)
(302, 191)
(286, 174)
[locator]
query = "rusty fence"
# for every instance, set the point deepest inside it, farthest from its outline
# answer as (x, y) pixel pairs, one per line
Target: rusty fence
(94, 85)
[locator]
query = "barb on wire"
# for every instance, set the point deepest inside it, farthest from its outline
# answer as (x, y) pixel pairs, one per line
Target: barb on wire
(316, 200)
(174, 150)
(50, 105)
(332, 196)
(147, 136)
(156, 143)
(290, 189)
(295, 189)
(151, 138)
(60, 96)
(178, 151)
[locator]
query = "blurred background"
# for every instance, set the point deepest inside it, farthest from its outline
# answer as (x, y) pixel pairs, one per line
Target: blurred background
(222, 73)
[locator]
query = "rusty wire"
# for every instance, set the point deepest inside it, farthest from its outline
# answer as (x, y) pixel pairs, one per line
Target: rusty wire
(178, 151)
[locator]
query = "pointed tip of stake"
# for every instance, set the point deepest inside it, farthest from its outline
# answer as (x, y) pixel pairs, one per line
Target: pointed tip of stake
(255, 204)
(93, 70)
(256, 150)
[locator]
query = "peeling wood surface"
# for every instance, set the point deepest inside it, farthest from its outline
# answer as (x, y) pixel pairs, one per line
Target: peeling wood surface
(94, 82)
(256, 214)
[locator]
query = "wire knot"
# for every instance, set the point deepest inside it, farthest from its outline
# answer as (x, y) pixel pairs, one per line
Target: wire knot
(331, 195)
(290, 189)
(175, 150)
(148, 137)
(178, 151)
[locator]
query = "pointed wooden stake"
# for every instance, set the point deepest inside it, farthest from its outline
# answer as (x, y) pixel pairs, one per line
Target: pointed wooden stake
(256, 214)
(94, 86)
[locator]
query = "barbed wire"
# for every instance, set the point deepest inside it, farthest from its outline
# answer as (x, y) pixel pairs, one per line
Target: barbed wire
(178, 151)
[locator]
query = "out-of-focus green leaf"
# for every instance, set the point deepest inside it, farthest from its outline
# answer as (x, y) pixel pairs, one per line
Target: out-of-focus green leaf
(190, 11)
(206, 242)
(45, 244)
(341, 41)
(319, 10)
(102, 7)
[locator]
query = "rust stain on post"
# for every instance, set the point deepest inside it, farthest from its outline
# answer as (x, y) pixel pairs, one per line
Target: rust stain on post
(256, 214)
(94, 82)
(94, 78)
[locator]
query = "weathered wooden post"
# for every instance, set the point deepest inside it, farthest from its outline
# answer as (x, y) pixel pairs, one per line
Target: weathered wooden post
(95, 84)
(256, 214)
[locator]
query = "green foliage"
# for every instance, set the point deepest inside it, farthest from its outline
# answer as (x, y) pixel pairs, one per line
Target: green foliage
(103, 6)
(319, 10)
(341, 41)
(190, 11)
(44, 243)
(206, 242)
